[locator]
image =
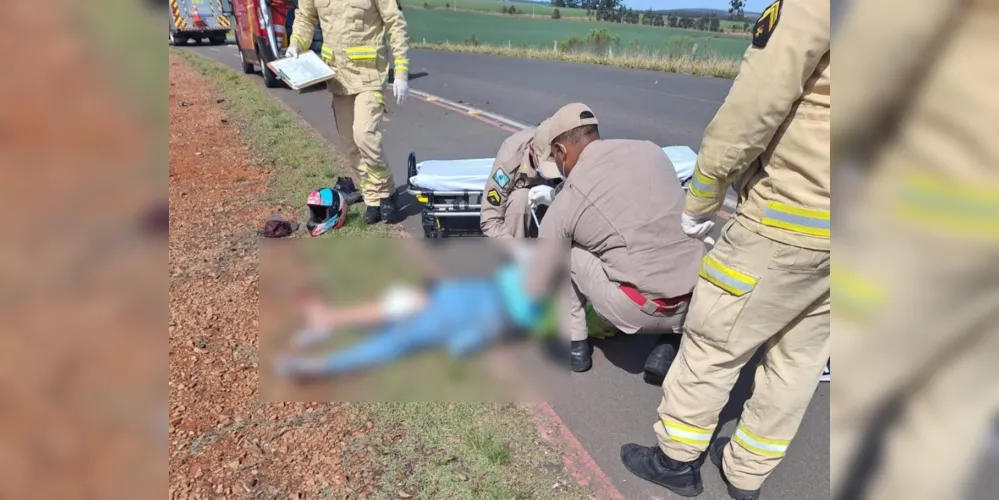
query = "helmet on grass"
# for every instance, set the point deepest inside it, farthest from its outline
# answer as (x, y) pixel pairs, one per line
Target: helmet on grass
(327, 210)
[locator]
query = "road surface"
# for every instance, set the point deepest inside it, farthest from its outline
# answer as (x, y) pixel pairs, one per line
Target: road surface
(610, 405)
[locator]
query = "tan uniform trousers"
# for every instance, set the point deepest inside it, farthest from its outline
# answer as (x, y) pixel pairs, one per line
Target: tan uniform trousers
(916, 319)
(516, 219)
(753, 292)
(358, 121)
(589, 283)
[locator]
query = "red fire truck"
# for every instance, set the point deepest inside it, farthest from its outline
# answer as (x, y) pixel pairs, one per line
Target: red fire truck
(262, 31)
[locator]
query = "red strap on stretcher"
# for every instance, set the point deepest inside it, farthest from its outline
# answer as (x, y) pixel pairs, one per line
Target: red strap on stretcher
(665, 305)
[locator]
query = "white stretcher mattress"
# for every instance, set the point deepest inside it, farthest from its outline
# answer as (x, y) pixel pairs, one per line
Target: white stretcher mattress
(470, 175)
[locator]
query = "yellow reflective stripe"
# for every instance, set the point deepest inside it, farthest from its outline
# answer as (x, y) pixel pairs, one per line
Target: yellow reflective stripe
(381, 174)
(726, 278)
(702, 187)
(361, 53)
(970, 210)
(401, 64)
(422, 199)
(687, 434)
(758, 445)
(797, 219)
(379, 97)
(299, 41)
(854, 296)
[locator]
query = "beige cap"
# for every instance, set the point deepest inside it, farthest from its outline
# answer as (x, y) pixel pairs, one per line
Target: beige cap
(543, 148)
(569, 117)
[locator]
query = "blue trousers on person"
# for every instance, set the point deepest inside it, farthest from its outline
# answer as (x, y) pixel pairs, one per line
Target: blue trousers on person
(461, 316)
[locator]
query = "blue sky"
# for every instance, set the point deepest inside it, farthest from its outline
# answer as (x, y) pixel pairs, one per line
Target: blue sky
(751, 5)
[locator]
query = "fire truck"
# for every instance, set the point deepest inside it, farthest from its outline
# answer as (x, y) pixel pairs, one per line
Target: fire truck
(198, 20)
(262, 31)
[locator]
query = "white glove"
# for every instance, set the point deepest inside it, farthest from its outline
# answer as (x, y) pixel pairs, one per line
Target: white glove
(695, 227)
(292, 51)
(400, 88)
(541, 195)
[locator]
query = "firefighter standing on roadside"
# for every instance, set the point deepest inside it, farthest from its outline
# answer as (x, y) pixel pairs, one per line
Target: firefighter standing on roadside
(353, 34)
(518, 167)
(766, 281)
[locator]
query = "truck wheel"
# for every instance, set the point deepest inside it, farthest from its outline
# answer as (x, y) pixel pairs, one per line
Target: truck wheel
(216, 40)
(247, 66)
(270, 79)
(173, 40)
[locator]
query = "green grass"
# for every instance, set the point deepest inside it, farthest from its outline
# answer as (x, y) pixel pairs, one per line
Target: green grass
(466, 451)
(440, 26)
(303, 160)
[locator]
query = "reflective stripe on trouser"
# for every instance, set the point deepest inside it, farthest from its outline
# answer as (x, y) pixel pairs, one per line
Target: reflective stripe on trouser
(588, 282)
(915, 315)
(753, 291)
(358, 121)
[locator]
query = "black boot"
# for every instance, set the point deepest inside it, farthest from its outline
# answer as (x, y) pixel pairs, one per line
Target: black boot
(580, 356)
(661, 358)
(651, 464)
(715, 452)
(387, 209)
(372, 215)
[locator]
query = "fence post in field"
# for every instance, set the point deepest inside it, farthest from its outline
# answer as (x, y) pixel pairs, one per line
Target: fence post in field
(694, 52)
(555, 46)
(610, 52)
(508, 45)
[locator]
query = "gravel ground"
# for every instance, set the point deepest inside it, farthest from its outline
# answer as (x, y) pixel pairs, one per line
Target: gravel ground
(224, 443)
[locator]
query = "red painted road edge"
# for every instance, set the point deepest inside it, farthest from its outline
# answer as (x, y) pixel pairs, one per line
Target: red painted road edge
(577, 461)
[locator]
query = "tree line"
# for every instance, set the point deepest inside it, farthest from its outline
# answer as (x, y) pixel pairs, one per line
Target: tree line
(615, 12)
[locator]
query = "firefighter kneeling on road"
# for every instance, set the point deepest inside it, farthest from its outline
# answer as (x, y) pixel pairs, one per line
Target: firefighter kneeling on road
(522, 163)
(353, 34)
(766, 281)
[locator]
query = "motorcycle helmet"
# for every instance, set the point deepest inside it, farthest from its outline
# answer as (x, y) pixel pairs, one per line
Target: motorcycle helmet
(327, 210)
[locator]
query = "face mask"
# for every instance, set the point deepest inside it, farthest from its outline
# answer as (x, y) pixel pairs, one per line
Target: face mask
(560, 165)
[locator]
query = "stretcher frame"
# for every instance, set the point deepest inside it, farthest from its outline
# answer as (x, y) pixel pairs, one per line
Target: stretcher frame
(456, 213)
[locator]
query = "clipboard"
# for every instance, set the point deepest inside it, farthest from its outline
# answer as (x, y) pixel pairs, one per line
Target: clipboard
(303, 71)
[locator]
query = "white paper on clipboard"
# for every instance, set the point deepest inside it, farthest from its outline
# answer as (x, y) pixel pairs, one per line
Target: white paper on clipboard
(302, 71)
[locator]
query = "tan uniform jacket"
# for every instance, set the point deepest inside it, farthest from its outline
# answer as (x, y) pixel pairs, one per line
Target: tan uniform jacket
(353, 40)
(622, 203)
(770, 138)
(511, 170)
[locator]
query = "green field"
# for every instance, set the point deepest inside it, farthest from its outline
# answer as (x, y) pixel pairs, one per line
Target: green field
(437, 26)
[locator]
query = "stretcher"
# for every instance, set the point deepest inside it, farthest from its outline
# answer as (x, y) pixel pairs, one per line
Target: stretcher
(450, 191)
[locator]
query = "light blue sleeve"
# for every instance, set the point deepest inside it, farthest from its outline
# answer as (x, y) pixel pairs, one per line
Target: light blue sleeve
(523, 311)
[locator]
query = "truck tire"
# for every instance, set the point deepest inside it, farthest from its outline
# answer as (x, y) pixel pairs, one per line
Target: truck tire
(271, 80)
(216, 40)
(247, 66)
(173, 39)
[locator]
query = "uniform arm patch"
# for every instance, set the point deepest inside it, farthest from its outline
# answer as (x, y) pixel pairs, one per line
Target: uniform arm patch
(501, 178)
(494, 197)
(766, 24)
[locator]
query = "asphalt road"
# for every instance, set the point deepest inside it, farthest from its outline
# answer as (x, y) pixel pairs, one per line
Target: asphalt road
(610, 405)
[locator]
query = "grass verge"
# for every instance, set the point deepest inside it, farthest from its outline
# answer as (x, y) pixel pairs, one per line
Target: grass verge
(465, 451)
(303, 160)
(717, 67)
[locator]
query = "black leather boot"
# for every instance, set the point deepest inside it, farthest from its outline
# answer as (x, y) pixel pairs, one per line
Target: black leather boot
(715, 452)
(580, 356)
(651, 464)
(661, 358)
(372, 215)
(387, 209)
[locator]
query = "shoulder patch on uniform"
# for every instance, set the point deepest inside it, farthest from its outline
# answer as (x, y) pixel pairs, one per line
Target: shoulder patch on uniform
(766, 24)
(494, 197)
(501, 178)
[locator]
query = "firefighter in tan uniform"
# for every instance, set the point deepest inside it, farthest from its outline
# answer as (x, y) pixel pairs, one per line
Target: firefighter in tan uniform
(766, 281)
(518, 168)
(353, 45)
(618, 215)
(917, 246)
